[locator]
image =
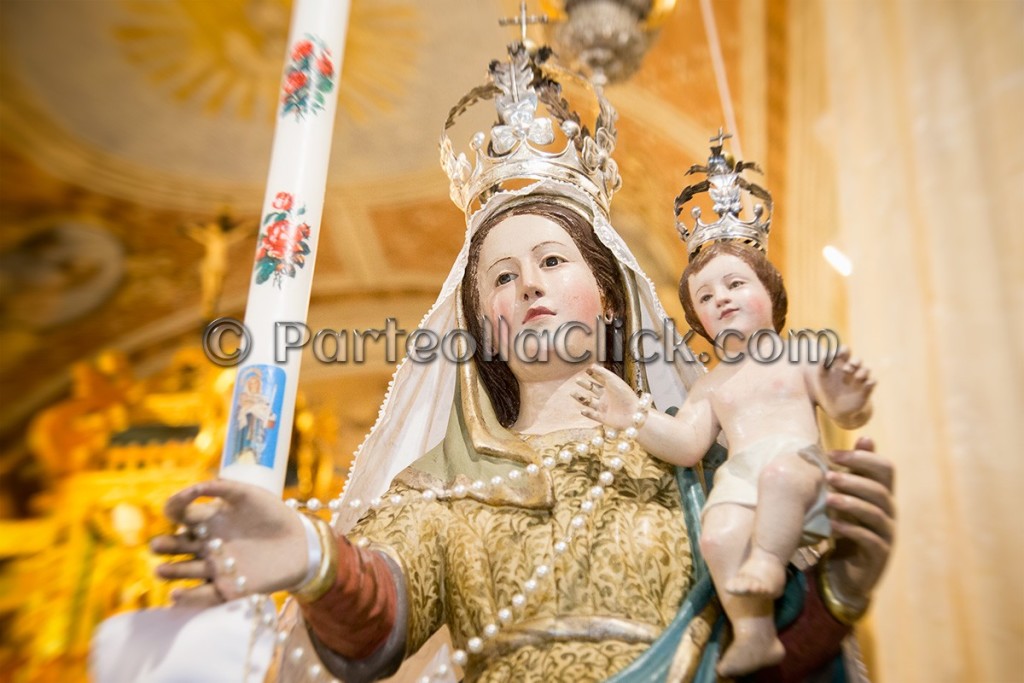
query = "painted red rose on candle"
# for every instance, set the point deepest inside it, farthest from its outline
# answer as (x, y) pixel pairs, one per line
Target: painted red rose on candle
(282, 247)
(325, 66)
(302, 49)
(283, 201)
(308, 77)
(296, 80)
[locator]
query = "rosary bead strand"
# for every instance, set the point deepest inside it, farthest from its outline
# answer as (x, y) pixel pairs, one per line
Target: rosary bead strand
(505, 615)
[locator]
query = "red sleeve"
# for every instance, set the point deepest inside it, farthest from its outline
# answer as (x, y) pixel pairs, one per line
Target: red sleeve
(811, 641)
(355, 617)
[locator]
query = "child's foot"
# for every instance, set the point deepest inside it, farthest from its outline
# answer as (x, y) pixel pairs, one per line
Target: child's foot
(750, 653)
(762, 576)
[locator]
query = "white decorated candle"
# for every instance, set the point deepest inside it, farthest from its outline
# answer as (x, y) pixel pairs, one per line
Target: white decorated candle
(263, 404)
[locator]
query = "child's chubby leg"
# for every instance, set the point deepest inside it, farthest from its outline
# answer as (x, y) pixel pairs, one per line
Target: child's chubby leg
(787, 488)
(725, 542)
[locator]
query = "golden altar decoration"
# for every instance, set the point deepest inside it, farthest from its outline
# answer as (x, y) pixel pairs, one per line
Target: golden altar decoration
(113, 452)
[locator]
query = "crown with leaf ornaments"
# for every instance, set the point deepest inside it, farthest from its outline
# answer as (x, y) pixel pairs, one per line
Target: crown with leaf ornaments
(524, 143)
(724, 184)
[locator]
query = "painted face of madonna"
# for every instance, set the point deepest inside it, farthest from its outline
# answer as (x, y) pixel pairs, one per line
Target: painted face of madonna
(532, 281)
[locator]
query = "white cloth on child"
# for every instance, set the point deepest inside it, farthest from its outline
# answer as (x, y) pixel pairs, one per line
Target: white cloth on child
(736, 480)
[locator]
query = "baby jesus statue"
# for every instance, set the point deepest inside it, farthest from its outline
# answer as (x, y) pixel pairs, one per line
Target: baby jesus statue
(768, 498)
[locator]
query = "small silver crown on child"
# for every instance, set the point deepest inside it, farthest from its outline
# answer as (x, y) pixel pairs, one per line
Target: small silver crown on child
(724, 184)
(523, 143)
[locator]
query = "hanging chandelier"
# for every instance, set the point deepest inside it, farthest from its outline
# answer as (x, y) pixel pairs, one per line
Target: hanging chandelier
(606, 38)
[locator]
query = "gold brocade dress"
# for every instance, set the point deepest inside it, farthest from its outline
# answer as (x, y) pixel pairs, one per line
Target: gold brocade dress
(603, 601)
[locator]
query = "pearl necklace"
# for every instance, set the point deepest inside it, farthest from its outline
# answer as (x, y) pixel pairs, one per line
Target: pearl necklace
(475, 644)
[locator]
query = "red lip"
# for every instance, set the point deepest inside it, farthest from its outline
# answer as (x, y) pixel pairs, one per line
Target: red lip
(536, 312)
(727, 312)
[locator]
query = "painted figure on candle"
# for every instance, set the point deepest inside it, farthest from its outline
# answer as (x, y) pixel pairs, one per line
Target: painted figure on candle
(769, 497)
(254, 431)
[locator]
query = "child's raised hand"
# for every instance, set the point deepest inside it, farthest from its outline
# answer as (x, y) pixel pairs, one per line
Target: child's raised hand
(606, 398)
(846, 387)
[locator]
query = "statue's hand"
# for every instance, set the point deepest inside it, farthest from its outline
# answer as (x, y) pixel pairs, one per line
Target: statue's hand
(245, 541)
(861, 501)
(845, 386)
(606, 398)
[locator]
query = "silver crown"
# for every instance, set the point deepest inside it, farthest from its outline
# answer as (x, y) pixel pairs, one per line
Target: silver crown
(724, 184)
(524, 143)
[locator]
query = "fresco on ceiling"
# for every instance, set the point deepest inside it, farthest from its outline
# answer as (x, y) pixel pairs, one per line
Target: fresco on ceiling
(172, 104)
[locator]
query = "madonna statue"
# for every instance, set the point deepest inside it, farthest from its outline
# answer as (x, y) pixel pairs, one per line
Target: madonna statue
(483, 500)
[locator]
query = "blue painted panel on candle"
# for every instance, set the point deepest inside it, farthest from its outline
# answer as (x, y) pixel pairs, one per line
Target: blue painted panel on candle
(255, 416)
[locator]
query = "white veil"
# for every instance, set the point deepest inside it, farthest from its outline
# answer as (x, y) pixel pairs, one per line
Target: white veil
(414, 415)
